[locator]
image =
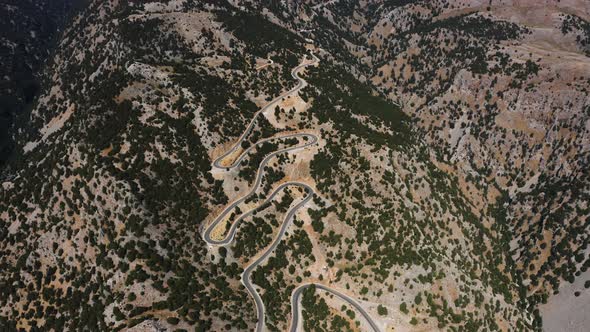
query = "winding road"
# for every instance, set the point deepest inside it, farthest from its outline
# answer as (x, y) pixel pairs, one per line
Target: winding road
(295, 299)
(301, 83)
(309, 139)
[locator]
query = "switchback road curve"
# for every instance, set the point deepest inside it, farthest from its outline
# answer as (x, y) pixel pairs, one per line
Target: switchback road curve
(295, 300)
(301, 83)
(310, 140)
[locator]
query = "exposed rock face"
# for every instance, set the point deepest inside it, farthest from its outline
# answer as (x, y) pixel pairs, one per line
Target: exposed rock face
(501, 88)
(464, 208)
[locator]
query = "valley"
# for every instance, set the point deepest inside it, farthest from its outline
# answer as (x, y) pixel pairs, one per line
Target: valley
(343, 165)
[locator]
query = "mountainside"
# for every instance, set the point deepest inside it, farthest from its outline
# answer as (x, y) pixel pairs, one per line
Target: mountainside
(500, 90)
(334, 165)
(27, 35)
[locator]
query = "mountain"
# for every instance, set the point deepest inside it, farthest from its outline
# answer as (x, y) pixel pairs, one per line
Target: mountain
(323, 165)
(27, 36)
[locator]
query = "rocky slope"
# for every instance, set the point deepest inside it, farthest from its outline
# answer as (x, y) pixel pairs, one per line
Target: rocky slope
(464, 207)
(27, 36)
(500, 90)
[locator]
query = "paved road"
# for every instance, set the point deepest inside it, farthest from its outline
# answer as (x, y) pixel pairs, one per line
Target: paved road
(295, 300)
(310, 139)
(244, 154)
(301, 83)
(250, 268)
